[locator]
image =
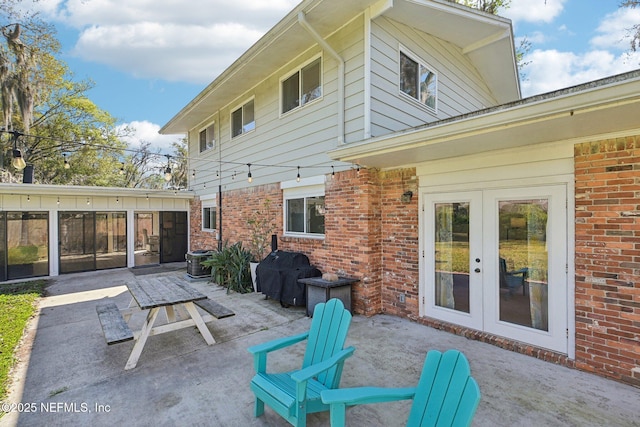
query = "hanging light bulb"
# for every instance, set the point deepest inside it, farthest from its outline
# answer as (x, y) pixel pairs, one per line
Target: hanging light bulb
(298, 176)
(18, 161)
(121, 168)
(249, 177)
(167, 171)
(333, 172)
(66, 162)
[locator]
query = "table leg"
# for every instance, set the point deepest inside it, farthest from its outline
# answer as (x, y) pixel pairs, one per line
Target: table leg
(202, 327)
(142, 338)
(170, 313)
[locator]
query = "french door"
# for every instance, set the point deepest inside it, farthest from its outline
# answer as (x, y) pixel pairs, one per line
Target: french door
(496, 261)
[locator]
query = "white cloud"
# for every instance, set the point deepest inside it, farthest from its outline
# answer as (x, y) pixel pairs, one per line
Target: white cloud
(551, 70)
(613, 31)
(144, 131)
(535, 11)
(167, 39)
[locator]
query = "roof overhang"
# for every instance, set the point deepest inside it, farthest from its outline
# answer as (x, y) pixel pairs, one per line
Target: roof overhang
(86, 191)
(485, 38)
(599, 109)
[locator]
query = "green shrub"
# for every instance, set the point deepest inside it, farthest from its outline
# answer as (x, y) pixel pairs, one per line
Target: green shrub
(230, 268)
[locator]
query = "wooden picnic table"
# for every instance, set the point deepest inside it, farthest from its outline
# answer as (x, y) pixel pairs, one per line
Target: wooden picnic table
(154, 295)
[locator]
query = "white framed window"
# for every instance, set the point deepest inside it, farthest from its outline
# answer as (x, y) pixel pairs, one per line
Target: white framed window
(207, 138)
(418, 80)
(304, 208)
(243, 119)
(209, 214)
(301, 87)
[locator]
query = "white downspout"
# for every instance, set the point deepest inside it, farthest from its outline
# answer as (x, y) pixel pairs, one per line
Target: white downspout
(341, 78)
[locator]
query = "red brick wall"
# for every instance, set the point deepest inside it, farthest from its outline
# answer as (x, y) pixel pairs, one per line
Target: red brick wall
(362, 234)
(607, 176)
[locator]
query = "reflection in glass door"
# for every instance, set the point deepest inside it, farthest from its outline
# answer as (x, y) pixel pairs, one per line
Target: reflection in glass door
(496, 261)
(452, 256)
(523, 262)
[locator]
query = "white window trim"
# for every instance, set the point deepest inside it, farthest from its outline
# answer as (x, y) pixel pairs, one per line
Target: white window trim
(215, 137)
(208, 202)
(420, 61)
(234, 109)
(307, 187)
(299, 70)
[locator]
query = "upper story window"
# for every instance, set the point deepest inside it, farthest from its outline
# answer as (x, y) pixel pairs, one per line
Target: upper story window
(418, 81)
(207, 138)
(243, 119)
(302, 87)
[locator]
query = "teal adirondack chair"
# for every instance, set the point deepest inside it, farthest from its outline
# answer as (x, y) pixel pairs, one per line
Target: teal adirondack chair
(295, 394)
(446, 395)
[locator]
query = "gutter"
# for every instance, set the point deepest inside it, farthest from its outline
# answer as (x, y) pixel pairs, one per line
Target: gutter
(341, 72)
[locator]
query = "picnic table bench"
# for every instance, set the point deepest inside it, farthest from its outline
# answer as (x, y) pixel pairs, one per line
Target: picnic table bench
(152, 295)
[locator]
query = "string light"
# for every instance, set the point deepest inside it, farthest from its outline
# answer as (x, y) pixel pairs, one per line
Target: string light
(298, 176)
(58, 202)
(28, 198)
(333, 172)
(17, 162)
(167, 171)
(249, 177)
(66, 162)
(88, 201)
(121, 168)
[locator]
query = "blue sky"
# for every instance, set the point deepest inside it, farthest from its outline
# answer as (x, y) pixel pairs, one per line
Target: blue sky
(149, 58)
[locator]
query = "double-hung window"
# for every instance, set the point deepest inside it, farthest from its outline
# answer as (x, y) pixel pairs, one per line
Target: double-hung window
(207, 138)
(302, 87)
(304, 209)
(418, 80)
(209, 214)
(243, 119)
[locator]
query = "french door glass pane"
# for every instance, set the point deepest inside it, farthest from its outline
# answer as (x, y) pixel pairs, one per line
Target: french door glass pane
(523, 262)
(452, 256)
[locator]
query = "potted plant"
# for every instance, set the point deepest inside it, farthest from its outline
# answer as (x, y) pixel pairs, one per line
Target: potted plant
(261, 226)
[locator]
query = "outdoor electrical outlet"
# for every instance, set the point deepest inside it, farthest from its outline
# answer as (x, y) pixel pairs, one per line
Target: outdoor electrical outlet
(401, 298)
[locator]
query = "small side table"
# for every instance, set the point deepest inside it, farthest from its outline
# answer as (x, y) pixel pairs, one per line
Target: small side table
(319, 290)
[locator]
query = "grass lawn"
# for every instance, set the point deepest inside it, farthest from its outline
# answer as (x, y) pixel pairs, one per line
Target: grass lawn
(17, 305)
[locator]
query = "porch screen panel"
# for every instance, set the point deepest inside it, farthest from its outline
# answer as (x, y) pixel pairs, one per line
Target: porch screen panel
(27, 244)
(77, 241)
(111, 240)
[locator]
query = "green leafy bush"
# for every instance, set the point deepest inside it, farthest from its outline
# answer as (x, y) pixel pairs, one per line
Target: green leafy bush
(230, 267)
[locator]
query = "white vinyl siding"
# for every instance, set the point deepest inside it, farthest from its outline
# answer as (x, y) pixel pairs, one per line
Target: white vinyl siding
(460, 88)
(301, 138)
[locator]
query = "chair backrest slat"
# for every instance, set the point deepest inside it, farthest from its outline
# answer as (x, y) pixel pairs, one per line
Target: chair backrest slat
(445, 392)
(327, 335)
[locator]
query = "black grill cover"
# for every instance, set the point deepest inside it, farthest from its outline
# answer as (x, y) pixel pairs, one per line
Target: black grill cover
(277, 276)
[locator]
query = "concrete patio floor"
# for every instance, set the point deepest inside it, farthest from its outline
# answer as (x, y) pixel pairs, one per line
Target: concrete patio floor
(71, 377)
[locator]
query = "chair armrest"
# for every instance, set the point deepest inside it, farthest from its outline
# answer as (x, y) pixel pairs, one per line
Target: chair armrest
(277, 344)
(365, 395)
(315, 370)
(260, 351)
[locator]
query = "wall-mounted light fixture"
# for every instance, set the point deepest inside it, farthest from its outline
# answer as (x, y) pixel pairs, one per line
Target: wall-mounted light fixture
(406, 196)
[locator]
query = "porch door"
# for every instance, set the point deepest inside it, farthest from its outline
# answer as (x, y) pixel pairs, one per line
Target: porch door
(495, 261)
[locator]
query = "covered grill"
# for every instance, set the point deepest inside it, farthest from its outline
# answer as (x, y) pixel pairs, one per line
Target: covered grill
(277, 277)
